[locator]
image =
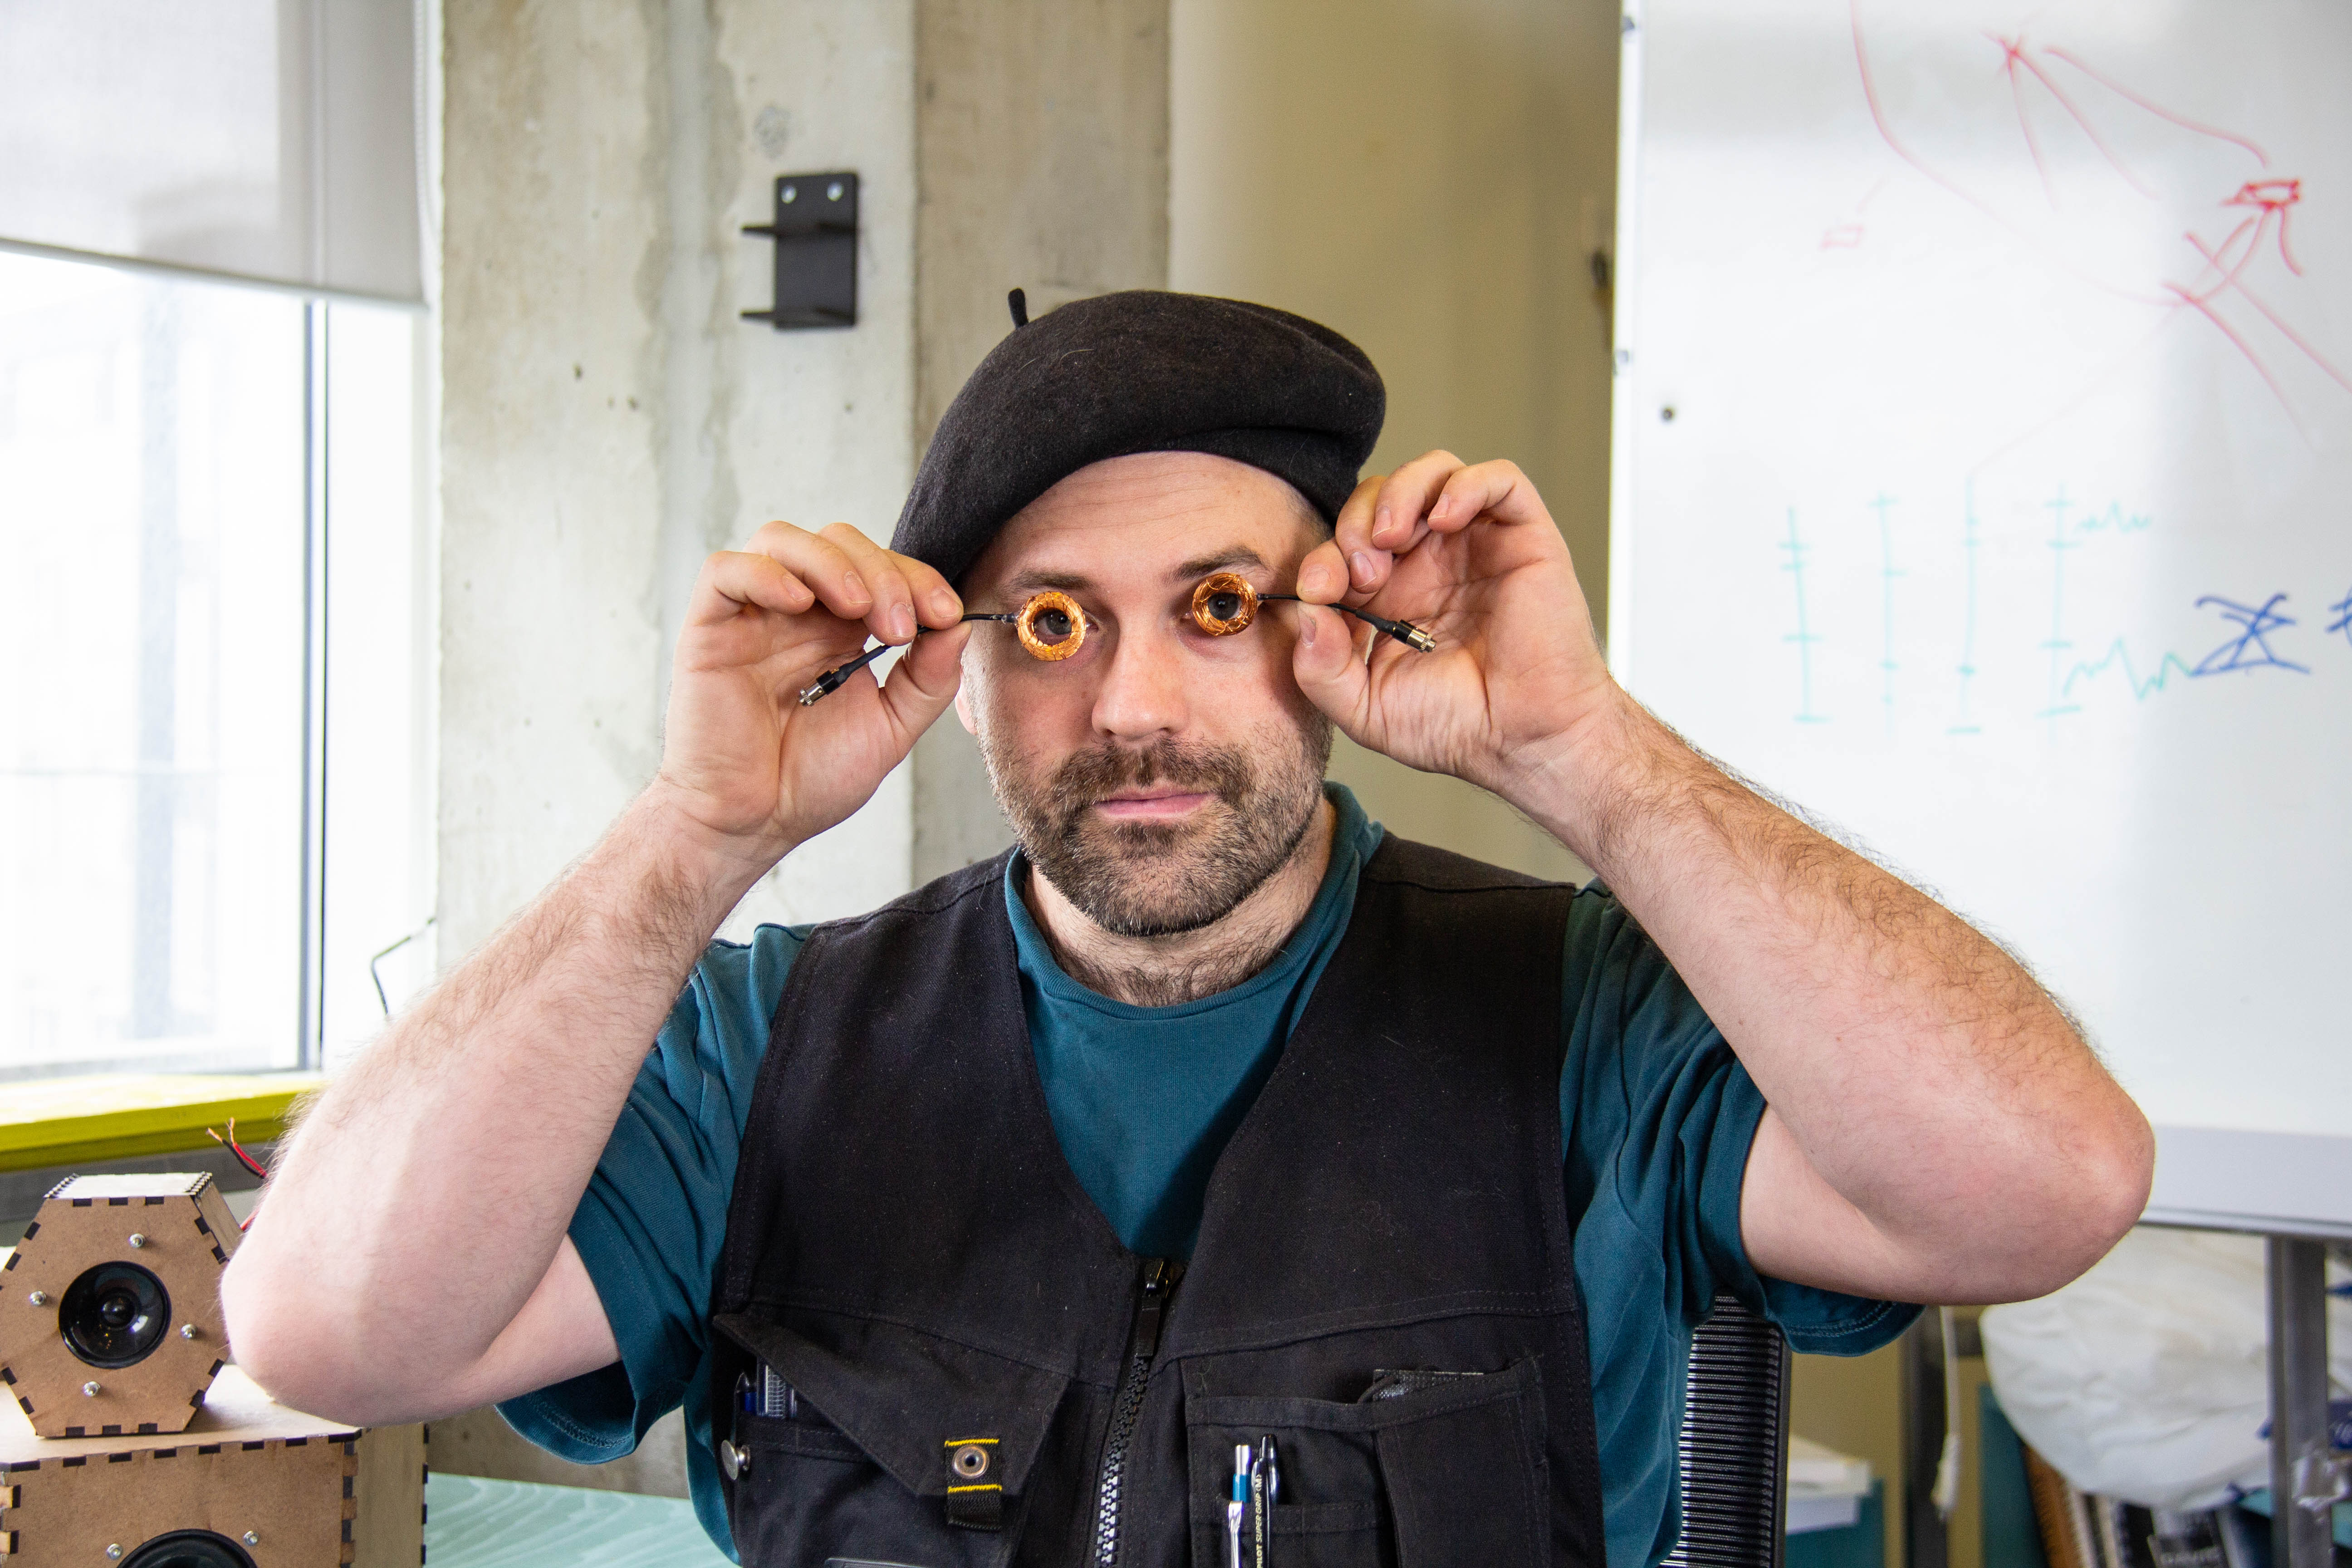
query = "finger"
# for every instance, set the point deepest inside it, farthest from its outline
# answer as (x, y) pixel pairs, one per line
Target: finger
(1400, 513)
(1352, 530)
(925, 680)
(733, 579)
(892, 617)
(1323, 575)
(1496, 490)
(936, 600)
(819, 562)
(1395, 523)
(1329, 670)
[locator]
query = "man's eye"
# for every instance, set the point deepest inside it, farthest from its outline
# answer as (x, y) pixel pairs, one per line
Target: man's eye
(1053, 625)
(1225, 606)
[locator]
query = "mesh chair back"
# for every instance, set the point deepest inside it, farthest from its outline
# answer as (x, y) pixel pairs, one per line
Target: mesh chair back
(1733, 1447)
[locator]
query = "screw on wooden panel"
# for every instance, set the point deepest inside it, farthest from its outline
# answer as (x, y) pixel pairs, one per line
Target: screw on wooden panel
(115, 1552)
(137, 1239)
(253, 1538)
(90, 1390)
(39, 1297)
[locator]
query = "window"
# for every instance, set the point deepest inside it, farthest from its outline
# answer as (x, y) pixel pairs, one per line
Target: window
(214, 718)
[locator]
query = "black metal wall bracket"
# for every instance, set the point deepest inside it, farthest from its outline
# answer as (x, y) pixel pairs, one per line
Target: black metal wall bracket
(815, 232)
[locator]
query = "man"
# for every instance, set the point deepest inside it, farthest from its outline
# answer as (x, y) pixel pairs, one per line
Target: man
(902, 1208)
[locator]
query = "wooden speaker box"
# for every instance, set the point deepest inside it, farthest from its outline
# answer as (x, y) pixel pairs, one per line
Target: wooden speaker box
(109, 1308)
(250, 1484)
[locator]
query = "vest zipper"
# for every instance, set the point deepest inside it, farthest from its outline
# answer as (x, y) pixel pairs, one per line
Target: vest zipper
(1159, 1277)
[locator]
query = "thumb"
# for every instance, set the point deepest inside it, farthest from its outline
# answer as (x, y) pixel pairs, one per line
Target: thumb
(925, 680)
(1325, 664)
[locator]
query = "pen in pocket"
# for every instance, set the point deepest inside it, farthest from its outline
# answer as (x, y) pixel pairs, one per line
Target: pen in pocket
(1264, 1477)
(1234, 1509)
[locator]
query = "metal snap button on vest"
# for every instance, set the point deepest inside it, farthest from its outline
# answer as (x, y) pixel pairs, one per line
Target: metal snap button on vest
(734, 1461)
(971, 1461)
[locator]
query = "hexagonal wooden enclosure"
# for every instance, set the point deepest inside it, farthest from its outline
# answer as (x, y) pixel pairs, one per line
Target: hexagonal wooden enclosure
(109, 1308)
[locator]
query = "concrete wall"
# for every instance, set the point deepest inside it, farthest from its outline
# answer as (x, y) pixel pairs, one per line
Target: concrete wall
(607, 420)
(550, 494)
(1431, 178)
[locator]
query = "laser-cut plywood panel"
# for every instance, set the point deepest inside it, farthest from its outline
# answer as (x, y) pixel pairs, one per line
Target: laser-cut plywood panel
(150, 1244)
(310, 1491)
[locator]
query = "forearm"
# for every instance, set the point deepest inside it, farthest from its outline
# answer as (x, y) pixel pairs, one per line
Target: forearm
(424, 1195)
(1923, 1074)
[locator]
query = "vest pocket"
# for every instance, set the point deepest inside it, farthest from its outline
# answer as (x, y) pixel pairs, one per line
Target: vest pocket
(896, 1446)
(810, 1494)
(1451, 1474)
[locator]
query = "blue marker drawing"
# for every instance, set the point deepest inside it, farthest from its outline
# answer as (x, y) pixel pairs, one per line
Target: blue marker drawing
(2166, 669)
(1964, 723)
(2057, 642)
(1886, 575)
(2342, 610)
(2255, 629)
(1803, 635)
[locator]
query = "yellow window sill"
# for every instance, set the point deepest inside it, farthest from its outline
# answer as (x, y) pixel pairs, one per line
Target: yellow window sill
(80, 1120)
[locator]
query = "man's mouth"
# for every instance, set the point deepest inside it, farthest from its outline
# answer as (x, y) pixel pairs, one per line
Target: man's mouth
(1153, 803)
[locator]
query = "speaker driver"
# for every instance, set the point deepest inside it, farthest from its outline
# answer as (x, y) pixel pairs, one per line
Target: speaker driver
(190, 1549)
(114, 1315)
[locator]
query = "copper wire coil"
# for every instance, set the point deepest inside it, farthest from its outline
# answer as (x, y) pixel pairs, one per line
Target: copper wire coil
(1219, 584)
(1025, 625)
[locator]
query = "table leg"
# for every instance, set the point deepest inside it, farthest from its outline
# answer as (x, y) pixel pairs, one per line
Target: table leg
(2303, 1477)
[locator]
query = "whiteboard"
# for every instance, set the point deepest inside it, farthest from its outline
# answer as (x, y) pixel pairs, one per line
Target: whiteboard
(1983, 483)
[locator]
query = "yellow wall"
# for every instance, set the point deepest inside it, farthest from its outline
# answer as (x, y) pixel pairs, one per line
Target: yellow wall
(1431, 179)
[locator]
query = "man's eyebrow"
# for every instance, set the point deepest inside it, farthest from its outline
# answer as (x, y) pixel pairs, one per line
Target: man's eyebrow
(1218, 560)
(1031, 581)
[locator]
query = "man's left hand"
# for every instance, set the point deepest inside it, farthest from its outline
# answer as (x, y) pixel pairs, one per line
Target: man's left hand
(1467, 552)
(1936, 1130)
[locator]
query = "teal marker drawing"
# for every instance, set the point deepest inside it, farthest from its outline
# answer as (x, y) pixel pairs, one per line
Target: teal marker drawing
(1964, 722)
(2117, 654)
(1886, 575)
(1803, 635)
(2057, 642)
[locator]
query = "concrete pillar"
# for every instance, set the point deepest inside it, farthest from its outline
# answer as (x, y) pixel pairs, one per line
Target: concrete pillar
(608, 420)
(554, 245)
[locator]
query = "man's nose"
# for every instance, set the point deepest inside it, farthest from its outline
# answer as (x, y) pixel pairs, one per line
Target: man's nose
(1141, 691)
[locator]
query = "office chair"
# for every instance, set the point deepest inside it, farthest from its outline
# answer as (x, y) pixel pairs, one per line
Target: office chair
(1734, 1446)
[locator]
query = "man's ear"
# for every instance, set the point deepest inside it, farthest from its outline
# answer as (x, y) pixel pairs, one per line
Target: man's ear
(963, 707)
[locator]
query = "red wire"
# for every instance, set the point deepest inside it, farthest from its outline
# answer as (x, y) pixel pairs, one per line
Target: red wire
(237, 1148)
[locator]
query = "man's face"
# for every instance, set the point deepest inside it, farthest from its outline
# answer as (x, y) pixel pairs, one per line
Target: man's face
(1159, 775)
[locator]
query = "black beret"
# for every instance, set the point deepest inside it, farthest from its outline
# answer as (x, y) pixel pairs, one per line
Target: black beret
(1144, 371)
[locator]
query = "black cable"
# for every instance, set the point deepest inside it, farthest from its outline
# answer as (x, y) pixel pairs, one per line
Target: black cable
(1405, 632)
(831, 680)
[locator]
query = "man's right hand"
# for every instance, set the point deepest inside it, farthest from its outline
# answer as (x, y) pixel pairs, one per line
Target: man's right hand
(410, 1258)
(741, 759)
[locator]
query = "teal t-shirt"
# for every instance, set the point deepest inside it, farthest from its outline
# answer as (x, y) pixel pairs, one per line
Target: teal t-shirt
(1656, 1116)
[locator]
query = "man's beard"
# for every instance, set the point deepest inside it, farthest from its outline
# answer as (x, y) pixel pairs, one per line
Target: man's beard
(1152, 879)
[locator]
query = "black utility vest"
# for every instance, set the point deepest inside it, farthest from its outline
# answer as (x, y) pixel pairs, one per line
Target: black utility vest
(983, 1375)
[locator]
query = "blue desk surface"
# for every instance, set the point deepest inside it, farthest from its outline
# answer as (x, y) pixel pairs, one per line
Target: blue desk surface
(470, 1523)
